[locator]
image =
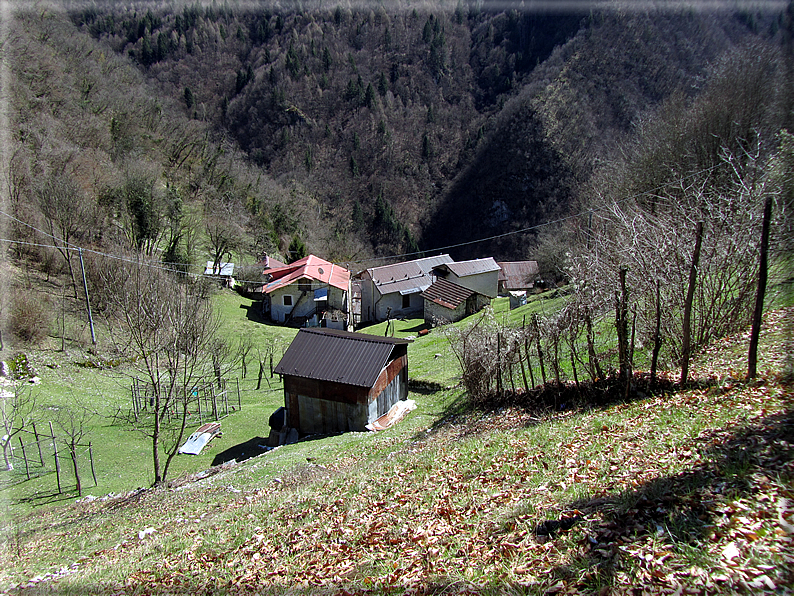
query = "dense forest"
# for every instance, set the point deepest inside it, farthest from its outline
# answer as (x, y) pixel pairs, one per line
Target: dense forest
(216, 131)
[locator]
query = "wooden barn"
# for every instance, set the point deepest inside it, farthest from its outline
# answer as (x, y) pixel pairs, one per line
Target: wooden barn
(337, 381)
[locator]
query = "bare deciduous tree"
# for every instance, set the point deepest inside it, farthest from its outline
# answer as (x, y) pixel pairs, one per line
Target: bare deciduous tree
(73, 421)
(67, 213)
(170, 329)
(17, 404)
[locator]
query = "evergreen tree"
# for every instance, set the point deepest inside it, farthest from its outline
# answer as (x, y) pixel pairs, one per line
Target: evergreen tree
(296, 249)
(189, 100)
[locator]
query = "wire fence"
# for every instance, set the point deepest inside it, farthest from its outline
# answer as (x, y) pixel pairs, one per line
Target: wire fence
(28, 455)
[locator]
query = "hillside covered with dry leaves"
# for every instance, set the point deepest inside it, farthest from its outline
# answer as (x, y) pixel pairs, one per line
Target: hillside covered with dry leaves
(687, 492)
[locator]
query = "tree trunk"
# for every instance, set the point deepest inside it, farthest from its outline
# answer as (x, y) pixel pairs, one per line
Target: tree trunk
(595, 367)
(73, 454)
(156, 438)
(529, 363)
(690, 295)
(499, 364)
(573, 362)
(630, 361)
(523, 368)
(622, 326)
(657, 336)
(540, 351)
(752, 355)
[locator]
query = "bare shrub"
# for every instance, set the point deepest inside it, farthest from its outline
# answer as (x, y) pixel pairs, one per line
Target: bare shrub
(30, 317)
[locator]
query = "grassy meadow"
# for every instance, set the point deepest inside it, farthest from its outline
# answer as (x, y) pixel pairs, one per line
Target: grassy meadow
(690, 489)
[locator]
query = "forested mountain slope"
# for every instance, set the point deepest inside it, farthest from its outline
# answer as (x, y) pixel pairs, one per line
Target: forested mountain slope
(364, 131)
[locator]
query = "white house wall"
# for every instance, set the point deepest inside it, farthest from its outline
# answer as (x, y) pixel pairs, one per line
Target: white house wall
(395, 302)
(307, 305)
(486, 283)
(375, 305)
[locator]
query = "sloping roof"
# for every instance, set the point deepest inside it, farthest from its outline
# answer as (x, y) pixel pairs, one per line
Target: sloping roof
(270, 263)
(408, 277)
(339, 356)
(517, 275)
(311, 267)
(447, 294)
(225, 269)
(473, 267)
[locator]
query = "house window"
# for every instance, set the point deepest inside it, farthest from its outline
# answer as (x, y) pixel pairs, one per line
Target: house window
(406, 301)
(287, 300)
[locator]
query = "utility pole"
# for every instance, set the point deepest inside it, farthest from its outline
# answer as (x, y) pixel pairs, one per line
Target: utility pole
(87, 301)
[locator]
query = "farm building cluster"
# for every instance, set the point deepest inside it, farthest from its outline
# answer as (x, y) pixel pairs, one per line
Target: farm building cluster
(313, 292)
(337, 380)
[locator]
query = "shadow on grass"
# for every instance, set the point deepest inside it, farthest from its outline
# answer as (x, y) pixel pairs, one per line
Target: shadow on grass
(253, 312)
(550, 398)
(242, 451)
(416, 328)
(680, 511)
(48, 498)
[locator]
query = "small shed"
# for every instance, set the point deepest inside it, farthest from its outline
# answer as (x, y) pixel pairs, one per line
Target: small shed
(337, 381)
(517, 276)
(517, 298)
(447, 302)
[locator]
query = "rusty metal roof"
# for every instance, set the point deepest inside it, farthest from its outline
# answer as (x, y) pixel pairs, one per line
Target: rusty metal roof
(473, 267)
(407, 277)
(447, 294)
(339, 356)
(518, 275)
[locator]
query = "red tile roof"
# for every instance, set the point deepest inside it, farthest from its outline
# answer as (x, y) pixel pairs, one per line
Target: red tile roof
(311, 267)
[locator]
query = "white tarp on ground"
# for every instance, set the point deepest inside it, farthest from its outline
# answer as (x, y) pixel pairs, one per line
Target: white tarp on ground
(199, 439)
(394, 415)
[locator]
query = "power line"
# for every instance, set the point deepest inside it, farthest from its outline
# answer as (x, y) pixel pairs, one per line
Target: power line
(163, 266)
(547, 223)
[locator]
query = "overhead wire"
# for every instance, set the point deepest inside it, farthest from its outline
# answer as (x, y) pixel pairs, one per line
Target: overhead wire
(163, 266)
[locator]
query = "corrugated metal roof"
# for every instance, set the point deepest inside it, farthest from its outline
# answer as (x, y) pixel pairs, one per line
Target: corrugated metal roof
(339, 356)
(406, 277)
(447, 294)
(311, 267)
(518, 275)
(473, 267)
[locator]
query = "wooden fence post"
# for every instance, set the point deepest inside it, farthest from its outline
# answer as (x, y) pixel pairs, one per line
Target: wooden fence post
(758, 311)
(91, 457)
(657, 336)
(38, 442)
(499, 364)
(540, 350)
(523, 369)
(25, 457)
(57, 463)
